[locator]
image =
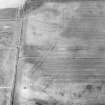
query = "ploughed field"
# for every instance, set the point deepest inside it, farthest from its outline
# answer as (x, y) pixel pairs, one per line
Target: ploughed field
(9, 40)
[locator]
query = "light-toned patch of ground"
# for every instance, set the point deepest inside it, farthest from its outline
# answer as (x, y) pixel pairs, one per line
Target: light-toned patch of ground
(48, 22)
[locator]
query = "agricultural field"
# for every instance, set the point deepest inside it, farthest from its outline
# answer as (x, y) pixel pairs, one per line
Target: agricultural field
(9, 43)
(53, 53)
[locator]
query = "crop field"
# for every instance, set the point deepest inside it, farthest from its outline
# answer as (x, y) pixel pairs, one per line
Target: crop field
(53, 53)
